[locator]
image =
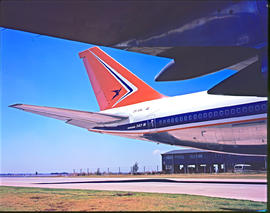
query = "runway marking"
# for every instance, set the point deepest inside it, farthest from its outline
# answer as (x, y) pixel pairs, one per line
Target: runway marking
(158, 181)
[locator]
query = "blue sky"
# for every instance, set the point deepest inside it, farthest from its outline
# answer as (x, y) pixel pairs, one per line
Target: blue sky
(47, 71)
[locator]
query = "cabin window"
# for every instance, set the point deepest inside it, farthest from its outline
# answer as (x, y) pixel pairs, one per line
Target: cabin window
(181, 118)
(185, 117)
(250, 108)
(172, 120)
(226, 112)
(232, 111)
(215, 113)
(210, 114)
(190, 117)
(221, 113)
(244, 109)
(205, 115)
(200, 115)
(238, 110)
(257, 108)
(195, 116)
(176, 119)
(263, 106)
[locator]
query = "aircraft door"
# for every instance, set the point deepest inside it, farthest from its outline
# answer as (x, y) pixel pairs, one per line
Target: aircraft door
(151, 123)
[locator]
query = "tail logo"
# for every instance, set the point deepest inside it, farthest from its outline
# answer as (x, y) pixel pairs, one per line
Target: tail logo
(116, 92)
(128, 86)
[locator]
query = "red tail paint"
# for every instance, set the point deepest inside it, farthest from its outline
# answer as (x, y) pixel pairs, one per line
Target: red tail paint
(113, 84)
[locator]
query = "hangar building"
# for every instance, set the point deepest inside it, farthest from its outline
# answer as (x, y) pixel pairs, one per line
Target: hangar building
(198, 161)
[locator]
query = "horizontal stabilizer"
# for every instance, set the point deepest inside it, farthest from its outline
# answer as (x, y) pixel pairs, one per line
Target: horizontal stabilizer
(74, 117)
(248, 81)
(193, 62)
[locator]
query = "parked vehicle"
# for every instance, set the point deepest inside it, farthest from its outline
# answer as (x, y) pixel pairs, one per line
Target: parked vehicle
(242, 168)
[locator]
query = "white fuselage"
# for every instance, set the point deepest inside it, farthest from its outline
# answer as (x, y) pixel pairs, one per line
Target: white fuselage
(195, 119)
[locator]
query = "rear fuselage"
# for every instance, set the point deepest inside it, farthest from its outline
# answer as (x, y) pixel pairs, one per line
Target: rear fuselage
(233, 124)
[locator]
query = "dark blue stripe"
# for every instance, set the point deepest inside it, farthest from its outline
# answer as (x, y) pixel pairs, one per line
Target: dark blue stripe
(129, 88)
(194, 117)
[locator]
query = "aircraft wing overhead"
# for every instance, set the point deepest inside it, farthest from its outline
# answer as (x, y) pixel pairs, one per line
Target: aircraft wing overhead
(74, 117)
(200, 36)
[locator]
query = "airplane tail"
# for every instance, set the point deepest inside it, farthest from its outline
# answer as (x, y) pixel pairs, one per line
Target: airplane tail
(113, 84)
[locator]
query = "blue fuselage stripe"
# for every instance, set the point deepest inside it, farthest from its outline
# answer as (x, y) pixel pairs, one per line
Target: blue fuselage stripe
(194, 117)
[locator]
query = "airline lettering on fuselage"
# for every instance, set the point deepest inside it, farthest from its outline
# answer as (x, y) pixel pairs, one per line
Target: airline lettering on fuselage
(141, 109)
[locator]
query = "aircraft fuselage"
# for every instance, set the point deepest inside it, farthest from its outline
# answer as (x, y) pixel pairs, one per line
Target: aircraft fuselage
(233, 124)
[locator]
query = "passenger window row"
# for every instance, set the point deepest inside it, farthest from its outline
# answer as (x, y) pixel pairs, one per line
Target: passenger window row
(213, 114)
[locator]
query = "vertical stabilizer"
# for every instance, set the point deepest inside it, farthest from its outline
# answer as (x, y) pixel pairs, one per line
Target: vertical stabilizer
(113, 84)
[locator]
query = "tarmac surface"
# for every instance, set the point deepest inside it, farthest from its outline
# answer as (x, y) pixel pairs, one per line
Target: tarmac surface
(245, 189)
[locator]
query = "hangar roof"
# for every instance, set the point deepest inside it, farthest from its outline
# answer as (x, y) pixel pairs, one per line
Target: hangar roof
(183, 151)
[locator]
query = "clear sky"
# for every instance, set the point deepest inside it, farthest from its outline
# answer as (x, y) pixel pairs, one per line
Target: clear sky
(47, 71)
